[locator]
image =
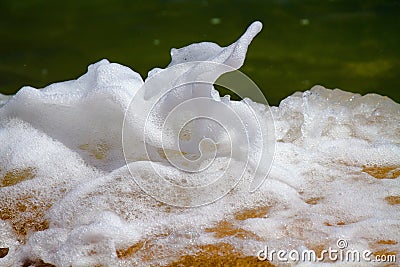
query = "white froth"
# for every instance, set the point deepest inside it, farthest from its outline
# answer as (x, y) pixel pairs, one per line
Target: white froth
(69, 198)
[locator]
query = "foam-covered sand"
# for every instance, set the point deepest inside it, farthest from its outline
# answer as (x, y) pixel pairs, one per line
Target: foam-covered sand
(68, 197)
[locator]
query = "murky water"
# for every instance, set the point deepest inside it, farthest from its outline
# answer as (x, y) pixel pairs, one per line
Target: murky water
(352, 45)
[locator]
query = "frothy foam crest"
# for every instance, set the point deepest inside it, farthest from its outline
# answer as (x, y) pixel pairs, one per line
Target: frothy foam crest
(69, 197)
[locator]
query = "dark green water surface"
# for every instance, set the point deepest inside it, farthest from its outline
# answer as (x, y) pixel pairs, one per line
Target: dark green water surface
(353, 45)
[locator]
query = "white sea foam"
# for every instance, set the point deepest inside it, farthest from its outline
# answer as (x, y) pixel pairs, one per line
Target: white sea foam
(69, 197)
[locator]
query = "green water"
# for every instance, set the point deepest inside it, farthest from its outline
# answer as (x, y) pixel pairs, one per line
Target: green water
(352, 45)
